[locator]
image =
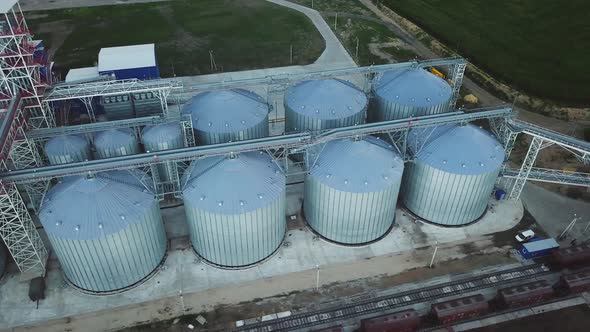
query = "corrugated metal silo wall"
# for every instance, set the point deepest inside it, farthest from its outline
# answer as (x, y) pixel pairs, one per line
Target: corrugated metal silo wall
(298, 122)
(385, 110)
(125, 149)
(445, 198)
(117, 260)
(260, 130)
(72, 157)
(348, 217)
(235, 240)
(166, 171)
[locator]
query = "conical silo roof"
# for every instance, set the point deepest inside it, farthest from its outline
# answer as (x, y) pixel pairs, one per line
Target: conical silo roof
(413, 87)
(85, 208)
(466, 150)
(233, 185)
(358, 165)
(326, 99)
(66, 145)
(226, 111)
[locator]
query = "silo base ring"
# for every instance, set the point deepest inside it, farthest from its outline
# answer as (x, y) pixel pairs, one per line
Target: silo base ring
(405, 209)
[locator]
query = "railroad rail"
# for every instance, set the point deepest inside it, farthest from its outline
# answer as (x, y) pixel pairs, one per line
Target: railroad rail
(396, 301)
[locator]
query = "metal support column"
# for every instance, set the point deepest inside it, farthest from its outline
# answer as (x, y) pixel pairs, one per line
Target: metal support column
(525, 169)
(19, 233)
(186, 122)
(89, 108)
(457, 73)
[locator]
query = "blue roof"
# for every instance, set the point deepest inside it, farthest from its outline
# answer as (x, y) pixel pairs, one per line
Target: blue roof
(326, 99)
(541, 245)
(225, 185)
(226, 111)
(365, 165)
(413, 87)
(82, 208)
(466, 150)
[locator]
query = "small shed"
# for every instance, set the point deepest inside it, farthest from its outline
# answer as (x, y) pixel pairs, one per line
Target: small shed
(538, 248)
(126, 62)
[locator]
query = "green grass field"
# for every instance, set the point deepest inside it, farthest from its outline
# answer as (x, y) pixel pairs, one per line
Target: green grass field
(539, 46)
(243, 34)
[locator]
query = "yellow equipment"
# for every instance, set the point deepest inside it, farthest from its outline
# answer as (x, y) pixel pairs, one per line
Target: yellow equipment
(436, 72)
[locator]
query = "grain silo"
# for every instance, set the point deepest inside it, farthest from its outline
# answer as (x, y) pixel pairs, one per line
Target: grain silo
(351, 191)
(227, 115)
(164, 137)
(324, 104)
(67, 149)
(235, 208)
(105, 230)
(115, 143)
(408, 93)
(453, 174)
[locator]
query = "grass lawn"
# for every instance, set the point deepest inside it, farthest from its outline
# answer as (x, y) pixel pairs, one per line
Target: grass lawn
(243, 34)
(343, 6)
(540, 46)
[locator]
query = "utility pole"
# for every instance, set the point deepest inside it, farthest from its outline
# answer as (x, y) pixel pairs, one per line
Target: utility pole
(311, 4)
(291, 55)
(317, 278)
(212, 59)
(357, 49)
(569, 227)
(433, 255)
(336, 22)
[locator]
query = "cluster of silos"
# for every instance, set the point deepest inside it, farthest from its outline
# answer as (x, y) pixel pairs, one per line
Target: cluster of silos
(164, 137)
(227, 116)
(67, 149)
(106, 230)
(453, 173)
(324, 104)
(235, 208)
(400, 94)
(351, 191)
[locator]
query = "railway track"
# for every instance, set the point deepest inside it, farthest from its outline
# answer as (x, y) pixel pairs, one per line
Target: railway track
(395, 301)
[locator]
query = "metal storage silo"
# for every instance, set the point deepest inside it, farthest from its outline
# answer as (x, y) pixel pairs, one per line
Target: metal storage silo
(453, 174)
(235, 208)
(324, 104)
(115, 143)
(164, 137)
(351, 191)
(408, 93)
(105, 230)
(227, 115)
(67, 149)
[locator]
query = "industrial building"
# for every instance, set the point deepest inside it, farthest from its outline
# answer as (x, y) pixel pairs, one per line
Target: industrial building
(97, 184)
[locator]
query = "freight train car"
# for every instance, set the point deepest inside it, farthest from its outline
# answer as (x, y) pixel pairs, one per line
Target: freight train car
(337, 328)
(462, 308)
(525, 294)
(571, 256)
(402, 321)
(574, 282)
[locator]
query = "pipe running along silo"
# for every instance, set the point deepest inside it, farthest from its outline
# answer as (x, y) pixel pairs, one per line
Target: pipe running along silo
(227, 116)
(164, 137)
(351, 191)
(115, 143)
(401, 94)
(235, 208)
(67, 149)
(453, 173)
(324, 104)
(106, 230)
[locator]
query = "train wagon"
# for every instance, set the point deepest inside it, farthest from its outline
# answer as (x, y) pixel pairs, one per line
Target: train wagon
(574, 282)
(572, 256)
(337, 328)
(402, 321)
(525, 294)
(457, 309)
